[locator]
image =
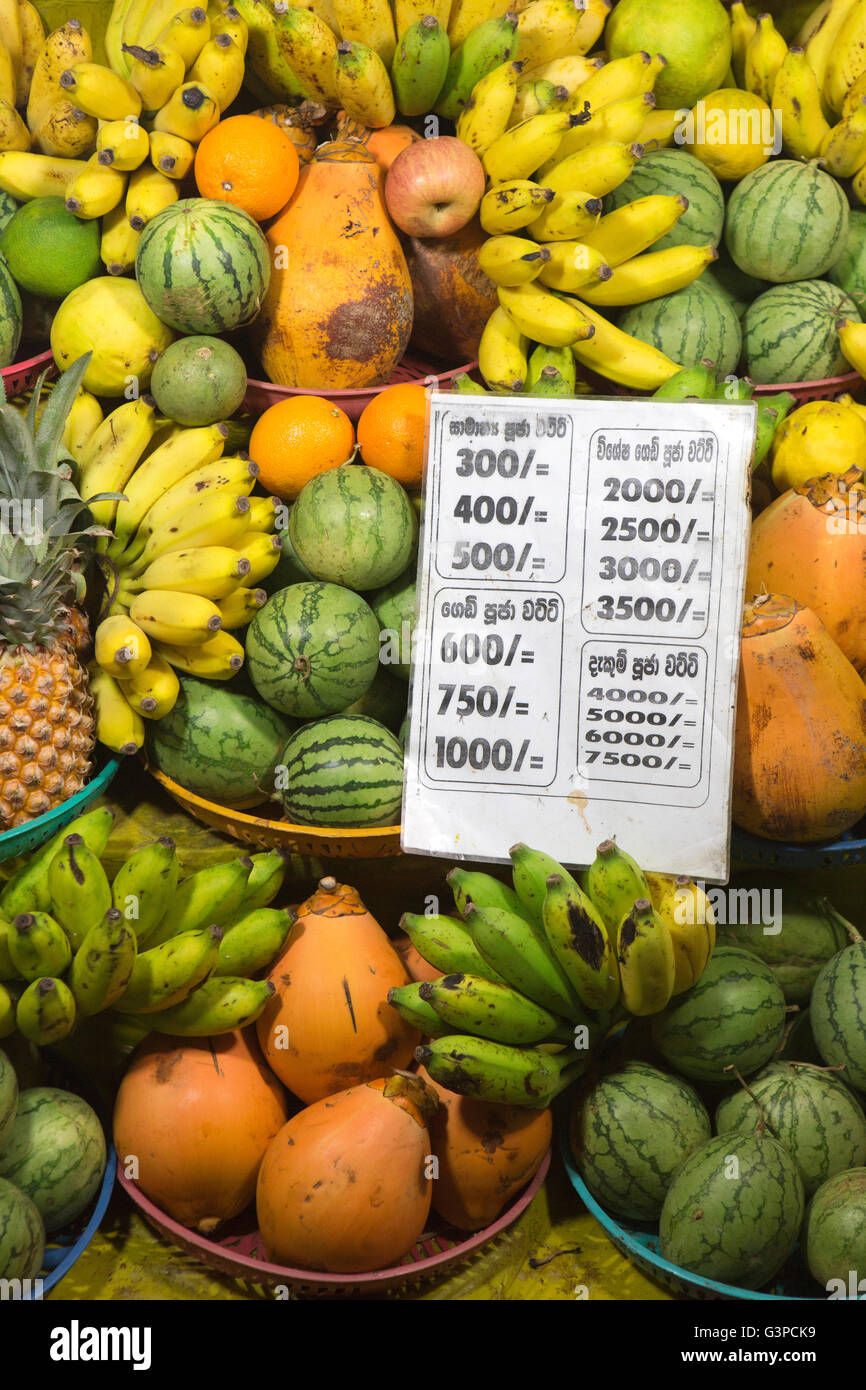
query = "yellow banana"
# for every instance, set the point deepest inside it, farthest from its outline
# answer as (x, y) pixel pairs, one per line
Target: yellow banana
(502, 354)
(570, 72)
(171, 155)
(190, 112)
(8, 85)
(32, 40)
(118, 725)
(113, 37)
(189, 30)
(230, 21)
(658, 129)
(823, 42)
(241, 607)
(118, 243)
(574, 266)
(765, 54)
(684, 908)
(220, 67)
(549, 29)
(568, 217)
(155, 72)
(367, 21)
(164, 975)
(26, 175)
(220, 1005)
(593, 18)
(10, 40)
(624, 77)
(858, 186)
(852, 340)
(855, 94)
(797, 100)
(578, 938)
(648, 277)
(263, 513)
(154, 691)
(621, 358)
(261, 552)
(217, 660)
(743, 27)
(235, 471)
(544, 317)
(112, 454)
(599, 169)
(14, 134)
(409, 12)
(84, 418)
(218, 518)
(511, 260)
(466, 15)
(95, 190)
(363, 85)
(103, 964)
(65, 131)
(147, 193)
(100, 92)
(647, 963)
(618, 121)
(523, 148)
(487, 112)
(123, 144)
(182, 620)
(634, 227)
(843, 149)
(213, 571)
(45, 1013)
(510, 206)
(310, 48)
(847, 58)
(62, 49)
(174, 459)
(121, 647)
(155, 17)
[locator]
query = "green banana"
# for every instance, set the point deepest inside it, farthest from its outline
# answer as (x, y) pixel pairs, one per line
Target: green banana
(482, 890)
(552, 372)
(145, 885)
(7, 1012)
(415, 1011)
(463, 385)
(689, 383)
(445, 943)
(486, 1009)
(578, 938)
(254, 941)
(531, 868)
(7, 969)
(45, 1011)
(164, 975)
(647, 961)
(27, 889)
(268, 74)
(103, 964)
(217, 1006)
(490, 43)
(497, 1073)
(419, 66)
(613, 882)
(38, 946)
(738, 388)
(771, 412)
(212, 896)
(78, 888)
(265, 880)
(513, 947)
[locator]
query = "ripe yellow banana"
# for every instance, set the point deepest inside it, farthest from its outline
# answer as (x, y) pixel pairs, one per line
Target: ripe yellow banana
(823, 42)
(220, 67)
(511, 260)
(593, 17)
(118, 725)
(574, 266)
(217, 660)
(534, 97)
(577, 936)
(83, 420)
(181, 620)
(621, 358)
(155, 72)
(765, 54)
(466, 15)
(684, 908)
(409, 12)
(502, 354)
(847, 58)
(852, 340)
(521, 150)
(648, 277)
(549, 29)
(153, 693)
(569, 217)
(510, 206)
(153, 19)
(486, 115)
(113, 451)
(261, 552)
(263, 513)
(544, 317)
(858, 186)
(647, 963)
(121, 647)
(96, 190)
(14, 134)
(217, 518)
(235, 471)
(797, 99)
(178, 456)
(32, 40)
(658, 130)
(190, 112)
(26, 175)
(64, 130)
(189, 30)
(843, 149)
(743, 26)
(241, 607)
(363, 85)
(147, 193)
(599, 169)
(122, 144)
(570, 72)
(171, 155)
(62, 49)
(213, 571)
(619, 121)
(634, 227)
(119, 242)
(309, 46)
(624, 77)
(100, 92)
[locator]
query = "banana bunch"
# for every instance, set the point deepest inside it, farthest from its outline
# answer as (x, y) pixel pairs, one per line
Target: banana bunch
(185, 549)
(535, 974)
(21, 37)
(179, 954)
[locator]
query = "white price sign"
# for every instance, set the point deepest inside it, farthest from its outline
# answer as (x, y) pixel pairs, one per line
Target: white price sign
(577, 645)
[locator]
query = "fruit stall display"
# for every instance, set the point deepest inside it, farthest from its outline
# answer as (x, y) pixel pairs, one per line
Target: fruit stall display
(245, 237)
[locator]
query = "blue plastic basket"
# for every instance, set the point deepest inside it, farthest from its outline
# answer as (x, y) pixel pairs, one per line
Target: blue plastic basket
(23, 839)
(68, 1246)
(748, 851)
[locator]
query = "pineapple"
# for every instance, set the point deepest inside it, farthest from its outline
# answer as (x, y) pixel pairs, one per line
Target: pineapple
(47, 725)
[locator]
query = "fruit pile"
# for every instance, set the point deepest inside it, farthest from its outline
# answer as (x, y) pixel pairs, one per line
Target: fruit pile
(182, 953)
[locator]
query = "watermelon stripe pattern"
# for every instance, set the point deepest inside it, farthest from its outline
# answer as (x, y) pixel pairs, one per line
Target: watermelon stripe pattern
(835, 1236)
(10, 316)
(789, 333)
(203, 266)
(313, 649)
(786, 221)
(56, 1153)
(838, 1013)
(22, 1235)
(353, 525)
(694, 323)
(8, 1096)
(671, 172)
(343, 771)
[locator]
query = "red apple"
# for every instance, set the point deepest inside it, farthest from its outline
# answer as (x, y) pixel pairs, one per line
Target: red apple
(433, 188)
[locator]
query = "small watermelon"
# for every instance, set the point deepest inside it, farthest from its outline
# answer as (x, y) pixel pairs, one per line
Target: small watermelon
(55, 1152)
(835, 1235)
(740, 289)
(733, 1211)
(8, 1096)
(691, 324)
(313, 649)
(11, 316)
(786, 221)
(849, 271)
(811, 1112)
(671, 172)
(220, 742)
(734, 1016)
(838, 1013)
(394, 606)
(353, 525)
(809, 934)
(345, 770)
(385, 700)
(22, 1234)
(289, 569)
(203, 266)
(630, 1132)
(789, 333)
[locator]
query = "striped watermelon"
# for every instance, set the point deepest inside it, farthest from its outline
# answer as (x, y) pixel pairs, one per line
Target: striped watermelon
(220, 741)
(733, 1016)
(345, 770)
(394, 607)
(811, 933)
(838, 1013)
(786, 221)
(739, 288)
(8, 208)
(10, 316)
(22, 1234)
(671, 172)
(835, 1235)
(811, 1112)
(313, 649)
(789, 333)
(8, 1096)
(353, 525)
(734, 1210)
(203, 266)
(691, 324)
(289, 569)
(849, 271)
(55, 1152)
(630, 1131)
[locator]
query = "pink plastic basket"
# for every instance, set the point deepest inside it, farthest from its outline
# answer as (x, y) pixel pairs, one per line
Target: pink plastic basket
(22, 376)
(830, 389)
(261, 394)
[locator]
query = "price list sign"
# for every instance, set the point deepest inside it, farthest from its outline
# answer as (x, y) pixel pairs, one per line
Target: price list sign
(576, 649)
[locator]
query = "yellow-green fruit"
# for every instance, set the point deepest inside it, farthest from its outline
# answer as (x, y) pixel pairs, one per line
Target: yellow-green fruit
(693, 35)
(820, 437)
(110, 318)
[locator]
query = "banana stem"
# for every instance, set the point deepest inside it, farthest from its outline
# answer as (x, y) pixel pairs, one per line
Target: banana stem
(763, 1122)
(842, 922)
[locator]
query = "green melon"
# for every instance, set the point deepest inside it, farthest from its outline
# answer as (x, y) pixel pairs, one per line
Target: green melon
(630, 1131)
(786, 221)
(22, 1234)
(734, 1016)
(733, 1211)
(812, 1113)
(691, 324)
(739, 288)
(289, 569)
(394, 606)
(220, 742)
(55, 1152)
(353, 525)
(49, 250)
(835, 1234)
(838, 1013)
(203, 266)
(11, 317)
(385, 700)
(8, 1096)
(694, 36)
(849, 271)
(811, 933)
(313, 649)
(789, 333)
(343, 771)
(672, 172)
(198, 381)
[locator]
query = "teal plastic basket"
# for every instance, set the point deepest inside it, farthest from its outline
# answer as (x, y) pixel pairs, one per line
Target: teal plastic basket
(23, 839)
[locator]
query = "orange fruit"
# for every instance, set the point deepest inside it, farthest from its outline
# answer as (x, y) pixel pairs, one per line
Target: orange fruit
(296, 439)
(391, 432)
(249, 163)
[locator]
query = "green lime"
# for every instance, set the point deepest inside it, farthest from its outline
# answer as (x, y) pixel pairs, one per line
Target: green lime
(199, 380)
(50, 252)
